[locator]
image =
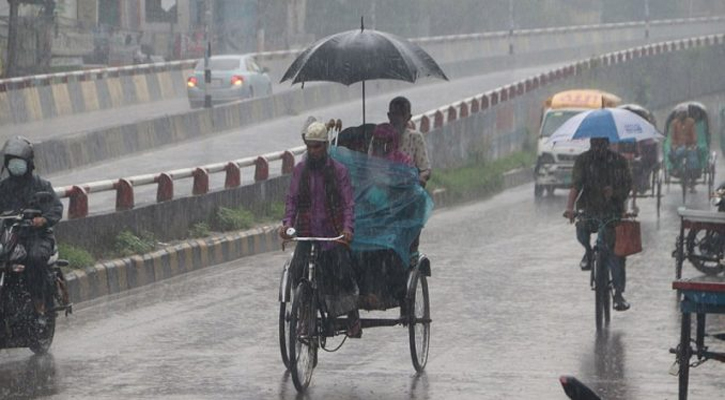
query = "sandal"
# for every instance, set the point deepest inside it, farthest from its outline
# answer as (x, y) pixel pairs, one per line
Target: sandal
(354, 329)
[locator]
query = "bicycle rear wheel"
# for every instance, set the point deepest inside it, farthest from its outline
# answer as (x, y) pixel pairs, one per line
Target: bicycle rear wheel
(303, 336)
(419, 321)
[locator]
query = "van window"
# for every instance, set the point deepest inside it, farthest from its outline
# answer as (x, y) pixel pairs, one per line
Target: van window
(554, 119)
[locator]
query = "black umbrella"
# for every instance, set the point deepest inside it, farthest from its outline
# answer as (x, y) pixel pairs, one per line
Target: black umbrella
(361, 55)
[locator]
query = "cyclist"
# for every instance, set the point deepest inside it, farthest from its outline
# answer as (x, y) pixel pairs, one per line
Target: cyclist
(601, 182)
(320, 203)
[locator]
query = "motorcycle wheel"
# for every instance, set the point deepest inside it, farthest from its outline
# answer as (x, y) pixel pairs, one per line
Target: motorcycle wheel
(704, 251)
(42, 337)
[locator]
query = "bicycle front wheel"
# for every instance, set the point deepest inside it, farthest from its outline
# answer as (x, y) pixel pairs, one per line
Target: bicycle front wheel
(601, 295)
(303, 336)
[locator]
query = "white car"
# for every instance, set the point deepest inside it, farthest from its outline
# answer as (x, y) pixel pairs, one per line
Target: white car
(233, 77)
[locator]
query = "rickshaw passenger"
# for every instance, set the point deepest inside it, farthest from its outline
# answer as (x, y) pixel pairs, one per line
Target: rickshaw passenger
(412, 143)
(684, 142)
(386, 144)
(381, 272)
(320, 203)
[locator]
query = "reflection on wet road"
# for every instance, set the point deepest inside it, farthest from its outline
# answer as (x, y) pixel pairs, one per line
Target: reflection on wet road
(511, 313)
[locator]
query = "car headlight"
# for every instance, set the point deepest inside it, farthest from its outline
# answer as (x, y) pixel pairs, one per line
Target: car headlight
(547, 158)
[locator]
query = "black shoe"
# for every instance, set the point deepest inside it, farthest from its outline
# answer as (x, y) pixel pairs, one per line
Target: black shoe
(585, 263)
(620, 304)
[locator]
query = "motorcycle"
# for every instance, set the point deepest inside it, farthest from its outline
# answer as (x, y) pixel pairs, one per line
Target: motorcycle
(706, 247)
(20, 324)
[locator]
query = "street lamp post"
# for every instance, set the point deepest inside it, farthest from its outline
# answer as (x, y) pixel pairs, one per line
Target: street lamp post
(207, 54)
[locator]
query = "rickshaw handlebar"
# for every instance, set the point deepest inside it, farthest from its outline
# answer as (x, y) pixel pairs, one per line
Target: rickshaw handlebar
(315, 239)
(292, 233)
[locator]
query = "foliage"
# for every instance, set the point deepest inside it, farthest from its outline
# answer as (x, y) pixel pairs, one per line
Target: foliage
(479, 178)
(199, 230)
(76, 256)
(128, 244)
(273, 211)
(233, 219)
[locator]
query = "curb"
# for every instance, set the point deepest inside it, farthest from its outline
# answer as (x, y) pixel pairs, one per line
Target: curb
(119, 275)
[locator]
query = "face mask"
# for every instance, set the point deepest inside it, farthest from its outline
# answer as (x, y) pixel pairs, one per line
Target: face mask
(17, 167)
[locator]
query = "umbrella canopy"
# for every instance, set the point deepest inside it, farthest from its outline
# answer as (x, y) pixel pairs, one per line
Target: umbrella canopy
(616, 124)
(361, 55)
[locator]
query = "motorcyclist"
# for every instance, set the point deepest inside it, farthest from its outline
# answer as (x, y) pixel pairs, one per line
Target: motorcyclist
(19, 191)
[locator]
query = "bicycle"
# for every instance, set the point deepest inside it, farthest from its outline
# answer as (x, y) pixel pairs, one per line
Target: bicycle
(600, 278)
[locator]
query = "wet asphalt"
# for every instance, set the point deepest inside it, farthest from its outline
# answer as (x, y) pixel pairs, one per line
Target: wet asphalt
(511, 313)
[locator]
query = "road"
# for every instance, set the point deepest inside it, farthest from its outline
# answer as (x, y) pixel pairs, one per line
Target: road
(511, 312)
(276, 135)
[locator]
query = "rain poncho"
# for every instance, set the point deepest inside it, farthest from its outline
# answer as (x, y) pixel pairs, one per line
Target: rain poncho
(391, 207)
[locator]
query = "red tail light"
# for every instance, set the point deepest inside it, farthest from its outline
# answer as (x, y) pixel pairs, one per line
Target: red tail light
(191, 82)
(237, 80)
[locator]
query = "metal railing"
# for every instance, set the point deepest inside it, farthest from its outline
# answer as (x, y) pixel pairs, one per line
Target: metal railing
(124, 187)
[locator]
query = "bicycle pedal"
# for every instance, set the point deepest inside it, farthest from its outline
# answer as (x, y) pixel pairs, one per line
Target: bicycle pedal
(675, 368)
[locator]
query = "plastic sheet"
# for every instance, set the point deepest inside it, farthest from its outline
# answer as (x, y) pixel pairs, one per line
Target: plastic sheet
(391, 207)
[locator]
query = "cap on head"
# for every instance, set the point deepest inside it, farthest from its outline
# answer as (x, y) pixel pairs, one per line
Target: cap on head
(316, 132)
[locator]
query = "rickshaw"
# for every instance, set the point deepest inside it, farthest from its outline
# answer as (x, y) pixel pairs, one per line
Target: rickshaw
(699, 167)
(388, 275)
(645, 161)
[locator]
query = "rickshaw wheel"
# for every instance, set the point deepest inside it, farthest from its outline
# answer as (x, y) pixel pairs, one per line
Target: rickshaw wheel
(419, 320)
(684, 352)
(303, 345)
(704, 250)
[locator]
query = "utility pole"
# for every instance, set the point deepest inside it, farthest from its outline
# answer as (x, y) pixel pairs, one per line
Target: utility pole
(646, 19)
(207, 53)
(11, 67)
(511, 26)
(259, 28)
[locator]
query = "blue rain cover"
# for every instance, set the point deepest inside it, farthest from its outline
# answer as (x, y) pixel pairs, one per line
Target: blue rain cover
(391, 207)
